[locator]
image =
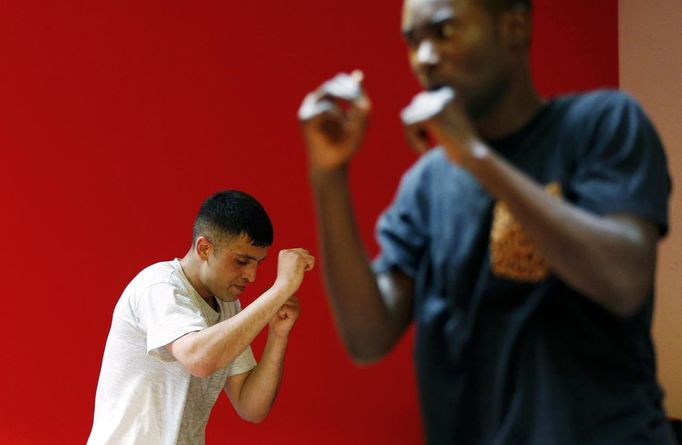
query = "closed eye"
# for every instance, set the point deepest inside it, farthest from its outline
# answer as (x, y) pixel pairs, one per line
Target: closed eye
(242, 262)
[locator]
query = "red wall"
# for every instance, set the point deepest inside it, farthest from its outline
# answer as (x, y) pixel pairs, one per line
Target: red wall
(118, 117)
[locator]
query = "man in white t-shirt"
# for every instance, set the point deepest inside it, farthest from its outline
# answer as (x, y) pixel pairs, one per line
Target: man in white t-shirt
(178, 334)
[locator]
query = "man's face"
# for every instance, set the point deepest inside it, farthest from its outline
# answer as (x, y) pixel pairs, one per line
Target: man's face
(226, 273)
(456, 43)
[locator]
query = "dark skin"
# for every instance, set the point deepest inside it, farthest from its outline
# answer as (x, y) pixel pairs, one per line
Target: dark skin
(484, 58)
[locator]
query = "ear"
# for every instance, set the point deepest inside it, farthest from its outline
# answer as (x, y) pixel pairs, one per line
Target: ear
(203, 248)
(516, 27)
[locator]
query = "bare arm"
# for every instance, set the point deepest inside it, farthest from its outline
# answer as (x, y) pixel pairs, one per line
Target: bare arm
(371, 313)
(609, 259)
(204, 352)
(252, 394)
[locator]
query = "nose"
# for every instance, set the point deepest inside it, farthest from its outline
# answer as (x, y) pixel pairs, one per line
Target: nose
(427, 55)
(250, 272)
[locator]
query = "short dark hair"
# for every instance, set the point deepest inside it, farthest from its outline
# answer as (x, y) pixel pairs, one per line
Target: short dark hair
(497, 6)
(232, 213)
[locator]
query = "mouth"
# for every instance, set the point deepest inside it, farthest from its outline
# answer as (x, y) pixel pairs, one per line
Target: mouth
(435, 86)
(239, 287)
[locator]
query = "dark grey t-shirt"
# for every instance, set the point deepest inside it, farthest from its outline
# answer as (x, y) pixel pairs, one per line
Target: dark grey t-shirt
(506, 353)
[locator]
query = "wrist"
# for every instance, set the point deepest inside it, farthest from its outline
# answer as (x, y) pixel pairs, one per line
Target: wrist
(320, 175)
(279, 339)
(478, 153)
(282, 289)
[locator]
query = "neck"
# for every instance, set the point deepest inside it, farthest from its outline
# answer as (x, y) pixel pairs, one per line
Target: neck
(190, 267)
(512, 112)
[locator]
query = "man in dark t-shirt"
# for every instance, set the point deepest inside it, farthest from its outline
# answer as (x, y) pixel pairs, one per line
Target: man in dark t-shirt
(523, 247)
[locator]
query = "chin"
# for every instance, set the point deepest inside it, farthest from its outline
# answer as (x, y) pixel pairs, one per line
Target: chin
(228, 298)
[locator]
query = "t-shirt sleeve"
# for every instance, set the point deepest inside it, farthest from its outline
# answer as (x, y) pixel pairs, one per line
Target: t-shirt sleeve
(400, 230)
(624, 169)
(243, 363)
(166, 314)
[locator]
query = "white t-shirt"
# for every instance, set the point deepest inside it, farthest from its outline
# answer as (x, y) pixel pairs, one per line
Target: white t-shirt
(144, 396)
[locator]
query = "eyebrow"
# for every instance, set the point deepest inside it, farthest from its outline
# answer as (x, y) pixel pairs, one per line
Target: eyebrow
(252, 258)
(437, 19)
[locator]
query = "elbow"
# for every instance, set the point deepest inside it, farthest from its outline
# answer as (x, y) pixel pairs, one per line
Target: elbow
(198, 366)
(627, 304)
(200, 372)
(254, 416)
(633, 290)
(625, 298)
(631, 273)
(364, 362)
(255, 419)
(622, 310)
(188, 353)
(621, 287)
(364, 359)
(363, 353)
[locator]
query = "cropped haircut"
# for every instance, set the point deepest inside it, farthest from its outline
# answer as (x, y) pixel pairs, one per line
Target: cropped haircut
(233, 213)
(498, 6)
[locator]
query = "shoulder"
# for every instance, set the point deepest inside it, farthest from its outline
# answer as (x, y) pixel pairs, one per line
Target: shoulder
(598, 99)
(598, 104)
(427, 162)
(603, 118)
(160, 278)
(428, 169)
(151, 275)
(604, 95)
(158, 272)
(417, 181)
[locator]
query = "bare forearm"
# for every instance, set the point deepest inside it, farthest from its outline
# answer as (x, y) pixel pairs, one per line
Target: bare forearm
(366, 325)
(261, 387)
(610, 261)
(206, 351)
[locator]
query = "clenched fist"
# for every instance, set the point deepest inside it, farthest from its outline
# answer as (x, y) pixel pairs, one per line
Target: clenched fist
(333, 120)
(284, 319)
(291, 265)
